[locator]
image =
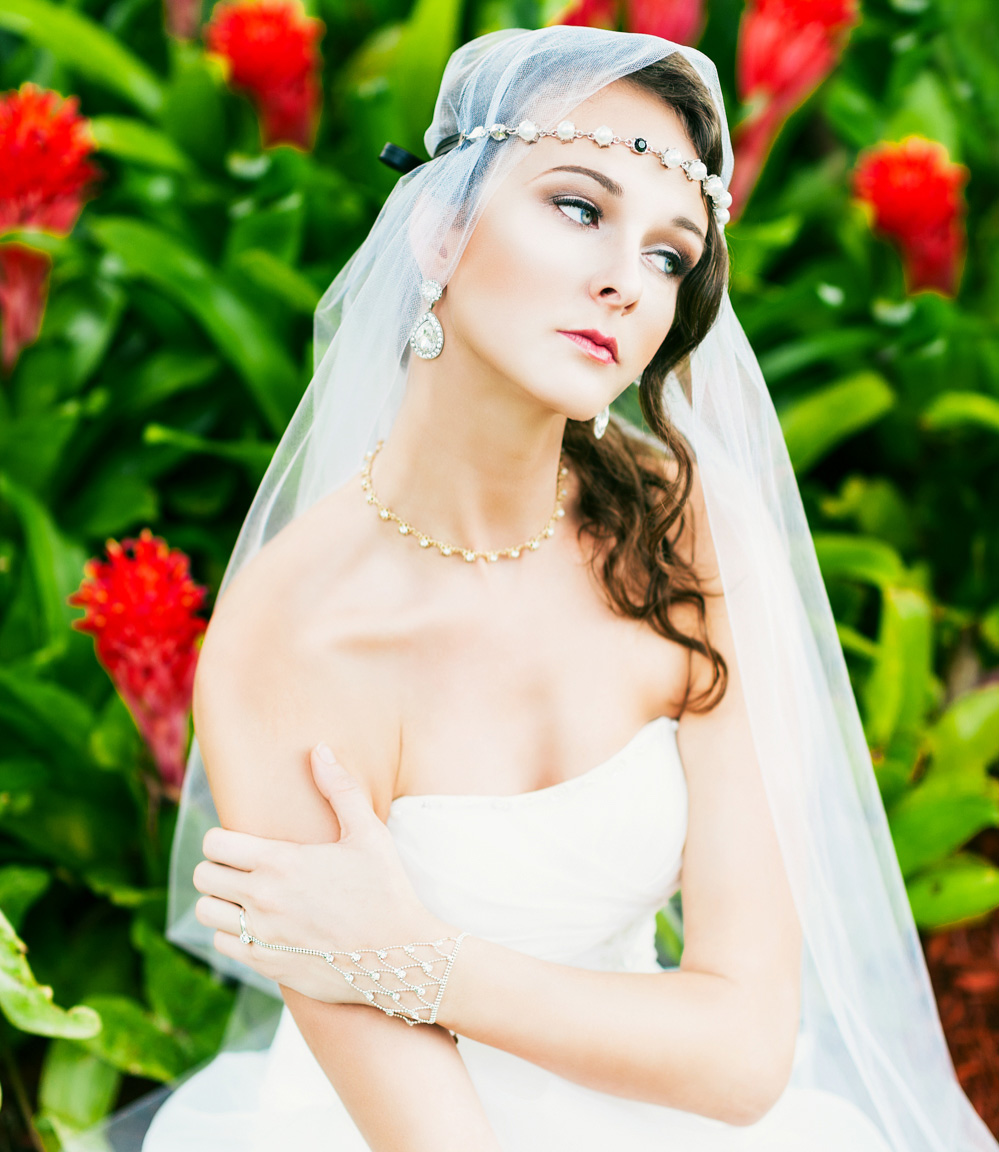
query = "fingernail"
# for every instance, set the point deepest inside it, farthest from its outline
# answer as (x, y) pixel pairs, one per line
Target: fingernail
(325, 752)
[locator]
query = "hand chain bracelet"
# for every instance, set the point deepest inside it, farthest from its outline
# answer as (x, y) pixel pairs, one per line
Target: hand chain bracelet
(397, 985)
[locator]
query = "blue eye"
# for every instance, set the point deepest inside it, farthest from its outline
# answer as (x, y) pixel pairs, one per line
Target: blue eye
(588, 213)
(677, 265)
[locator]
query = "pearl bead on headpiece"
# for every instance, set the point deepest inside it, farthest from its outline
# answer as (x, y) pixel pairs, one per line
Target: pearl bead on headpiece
(566, 131)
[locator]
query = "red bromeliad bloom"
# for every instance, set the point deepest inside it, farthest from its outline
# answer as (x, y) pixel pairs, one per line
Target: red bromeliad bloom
(786, 49)
(271, 50)
(44, 180)
(914, 192)
(141, 607)
(681, 21)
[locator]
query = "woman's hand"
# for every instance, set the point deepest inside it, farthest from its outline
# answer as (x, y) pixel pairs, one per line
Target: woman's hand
(343, 896)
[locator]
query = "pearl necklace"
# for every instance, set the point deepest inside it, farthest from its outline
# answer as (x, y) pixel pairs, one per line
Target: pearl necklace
(407, 529)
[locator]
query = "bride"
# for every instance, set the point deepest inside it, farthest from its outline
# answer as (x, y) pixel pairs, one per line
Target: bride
(493, 677)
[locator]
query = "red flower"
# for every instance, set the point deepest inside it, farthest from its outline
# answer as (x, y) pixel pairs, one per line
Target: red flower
(681, 21)
(914, 193)
(786, 49)
(44, 179)
(141, 607)
(271, 51)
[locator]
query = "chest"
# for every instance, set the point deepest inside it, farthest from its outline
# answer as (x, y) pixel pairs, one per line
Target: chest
(500, 693)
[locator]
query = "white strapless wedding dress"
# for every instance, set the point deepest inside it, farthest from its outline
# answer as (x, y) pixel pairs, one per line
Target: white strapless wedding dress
(573, 873)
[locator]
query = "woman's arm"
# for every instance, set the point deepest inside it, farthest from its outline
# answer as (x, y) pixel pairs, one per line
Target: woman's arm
(407, 1089)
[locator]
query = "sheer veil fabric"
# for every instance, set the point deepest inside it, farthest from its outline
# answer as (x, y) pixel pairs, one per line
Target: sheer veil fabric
(870, 1031)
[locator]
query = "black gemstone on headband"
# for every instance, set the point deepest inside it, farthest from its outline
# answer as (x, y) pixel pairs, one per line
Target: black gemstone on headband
(640, 144)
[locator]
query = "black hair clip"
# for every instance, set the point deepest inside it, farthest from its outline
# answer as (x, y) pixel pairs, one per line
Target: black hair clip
(399, 159)
(403, 161)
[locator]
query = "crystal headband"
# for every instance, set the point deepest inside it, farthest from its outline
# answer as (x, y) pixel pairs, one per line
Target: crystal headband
(566, 131)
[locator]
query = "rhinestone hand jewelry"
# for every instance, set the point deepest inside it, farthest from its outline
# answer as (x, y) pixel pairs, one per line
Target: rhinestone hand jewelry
(470, 554)
(603, 137)
(403, 998)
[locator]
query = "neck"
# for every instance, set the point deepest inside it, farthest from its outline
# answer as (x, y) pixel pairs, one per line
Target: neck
(470, 460)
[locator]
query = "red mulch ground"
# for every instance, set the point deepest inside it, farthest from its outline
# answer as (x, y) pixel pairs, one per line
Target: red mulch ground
(964, 971)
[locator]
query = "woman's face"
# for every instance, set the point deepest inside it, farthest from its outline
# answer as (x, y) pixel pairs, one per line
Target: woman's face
(579, 239)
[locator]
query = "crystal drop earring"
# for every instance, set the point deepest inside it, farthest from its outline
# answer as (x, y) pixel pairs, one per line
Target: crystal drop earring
(427, 336)
(600, 422)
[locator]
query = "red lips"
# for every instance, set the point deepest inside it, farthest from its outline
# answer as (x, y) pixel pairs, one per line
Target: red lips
(590, 339)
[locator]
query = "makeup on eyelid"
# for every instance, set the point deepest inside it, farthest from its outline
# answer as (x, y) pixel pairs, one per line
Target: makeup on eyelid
(684, 262)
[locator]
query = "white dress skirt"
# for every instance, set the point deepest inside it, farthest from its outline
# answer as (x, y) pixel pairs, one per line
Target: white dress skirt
(575, 874)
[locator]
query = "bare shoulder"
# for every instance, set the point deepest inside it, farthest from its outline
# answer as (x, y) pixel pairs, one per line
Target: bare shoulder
(283, 666)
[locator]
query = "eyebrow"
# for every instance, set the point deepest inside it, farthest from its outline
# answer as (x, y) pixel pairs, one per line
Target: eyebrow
(615, 189)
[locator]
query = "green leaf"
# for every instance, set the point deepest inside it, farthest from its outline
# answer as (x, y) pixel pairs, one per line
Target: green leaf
(275, 229)
(134, 1041)
(85, 48)
(80, 323)
(45, 715)
(33, 445)
(990, 628)
(428, 38)
(133, 140)
(241, 335)
(845, 557)
(27, 1004)
(755, 246)
(927, 825)
(958, 890)
(253, 454)
(20, 886)
(111, 504)
(835, 346)
(856, 642)
(962, 410)
(925, 110)
(855, 117)
(965, 740)
(77, 1088)
(816, 423)
(115, 742)
(56, 563)
(186, 994)
(165, 374)
(897, 692)
(280, 279)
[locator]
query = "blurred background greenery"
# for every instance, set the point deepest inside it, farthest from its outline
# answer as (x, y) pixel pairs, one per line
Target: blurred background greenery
(157, 336)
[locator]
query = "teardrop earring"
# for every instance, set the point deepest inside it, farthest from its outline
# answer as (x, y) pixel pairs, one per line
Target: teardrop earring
(600, 422)
(427, 336)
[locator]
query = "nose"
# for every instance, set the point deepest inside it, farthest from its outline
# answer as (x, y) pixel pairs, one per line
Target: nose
(618, 282)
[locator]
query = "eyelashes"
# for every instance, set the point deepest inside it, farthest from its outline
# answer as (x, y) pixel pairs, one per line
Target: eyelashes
(590, 214)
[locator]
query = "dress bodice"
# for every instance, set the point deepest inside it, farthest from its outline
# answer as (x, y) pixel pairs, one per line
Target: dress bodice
(572, 873)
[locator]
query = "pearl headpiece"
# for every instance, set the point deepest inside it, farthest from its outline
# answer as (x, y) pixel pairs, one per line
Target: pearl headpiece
(566, 131)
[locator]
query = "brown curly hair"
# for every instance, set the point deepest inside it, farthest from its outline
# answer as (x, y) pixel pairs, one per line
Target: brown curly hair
(627, 500)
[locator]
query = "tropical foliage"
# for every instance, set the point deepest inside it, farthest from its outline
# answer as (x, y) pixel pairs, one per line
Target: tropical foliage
(177, 187)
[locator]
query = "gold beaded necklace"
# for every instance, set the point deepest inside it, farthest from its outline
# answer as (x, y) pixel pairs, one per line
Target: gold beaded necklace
(407, 529)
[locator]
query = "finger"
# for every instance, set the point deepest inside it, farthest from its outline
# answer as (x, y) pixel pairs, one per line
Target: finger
(230, 946)
(237, 849)
(220, 914)
(223, 882)
(342, 790)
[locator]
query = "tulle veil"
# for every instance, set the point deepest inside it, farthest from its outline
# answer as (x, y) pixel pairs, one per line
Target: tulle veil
(870, 1031)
